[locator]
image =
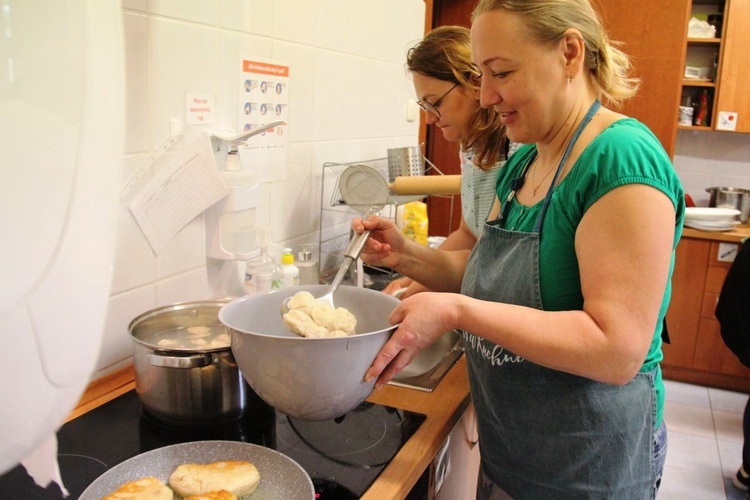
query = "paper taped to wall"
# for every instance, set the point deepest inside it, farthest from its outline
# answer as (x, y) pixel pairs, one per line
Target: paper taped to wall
(186, 185)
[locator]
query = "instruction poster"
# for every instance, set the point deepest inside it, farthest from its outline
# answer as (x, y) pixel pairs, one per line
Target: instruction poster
(264, 98)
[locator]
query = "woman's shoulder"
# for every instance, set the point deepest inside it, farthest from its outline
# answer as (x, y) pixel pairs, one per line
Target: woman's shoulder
(625, 144)
(626, 152)
(468, 163)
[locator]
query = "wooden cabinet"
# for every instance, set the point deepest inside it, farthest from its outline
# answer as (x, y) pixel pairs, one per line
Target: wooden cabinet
(697, 353)
(704, 54)
(652, 35)
(726, 59)
(733, 94)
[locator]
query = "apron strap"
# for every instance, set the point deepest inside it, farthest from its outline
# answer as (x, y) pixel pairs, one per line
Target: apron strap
(586, 119)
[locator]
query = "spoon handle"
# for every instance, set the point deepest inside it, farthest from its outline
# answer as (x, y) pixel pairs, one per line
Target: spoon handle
(351, 254)
(340, 275)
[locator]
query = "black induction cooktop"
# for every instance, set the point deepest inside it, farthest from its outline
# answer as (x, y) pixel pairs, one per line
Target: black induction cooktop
(343, 456)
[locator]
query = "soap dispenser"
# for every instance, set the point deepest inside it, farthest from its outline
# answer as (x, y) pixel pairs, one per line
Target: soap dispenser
(289, 270)
(309, 272)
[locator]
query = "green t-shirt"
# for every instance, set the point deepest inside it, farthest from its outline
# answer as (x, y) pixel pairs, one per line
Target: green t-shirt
(624, 153)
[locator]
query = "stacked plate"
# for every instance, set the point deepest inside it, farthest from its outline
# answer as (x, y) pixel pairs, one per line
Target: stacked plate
(711, 219)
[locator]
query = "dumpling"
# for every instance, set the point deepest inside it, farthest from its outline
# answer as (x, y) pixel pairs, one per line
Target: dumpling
(302, 301)
(317, 318)
(302, 324)
(340, 319)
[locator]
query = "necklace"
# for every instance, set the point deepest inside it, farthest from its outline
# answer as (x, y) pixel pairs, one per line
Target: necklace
(534, 185)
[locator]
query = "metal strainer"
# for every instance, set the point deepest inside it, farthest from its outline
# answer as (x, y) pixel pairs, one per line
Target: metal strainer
(405, 162)
(366, 191)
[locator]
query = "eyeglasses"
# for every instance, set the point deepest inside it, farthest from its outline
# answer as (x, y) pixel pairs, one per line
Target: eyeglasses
(432, 107)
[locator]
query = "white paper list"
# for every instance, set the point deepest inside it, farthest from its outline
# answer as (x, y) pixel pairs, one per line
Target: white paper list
(187, 185)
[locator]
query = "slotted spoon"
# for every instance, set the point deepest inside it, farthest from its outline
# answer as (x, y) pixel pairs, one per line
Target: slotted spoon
(365, 190)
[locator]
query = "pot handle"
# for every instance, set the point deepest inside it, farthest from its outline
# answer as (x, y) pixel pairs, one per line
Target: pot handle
(196, 361)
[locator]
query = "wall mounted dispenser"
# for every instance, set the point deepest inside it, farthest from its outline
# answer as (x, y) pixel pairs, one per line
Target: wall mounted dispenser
(230, 223)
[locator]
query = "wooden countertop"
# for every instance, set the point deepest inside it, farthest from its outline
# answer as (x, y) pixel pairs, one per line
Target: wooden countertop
(443, 407)
(736, 235)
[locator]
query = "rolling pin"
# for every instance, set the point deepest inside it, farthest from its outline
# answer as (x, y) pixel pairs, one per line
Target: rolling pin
(426, 184)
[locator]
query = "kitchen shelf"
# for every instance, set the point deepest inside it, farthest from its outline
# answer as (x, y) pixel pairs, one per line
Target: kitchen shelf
(693, 127)
(697, 83)
(704, 41)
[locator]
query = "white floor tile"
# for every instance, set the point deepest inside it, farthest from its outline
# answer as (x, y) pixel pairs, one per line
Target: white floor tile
(689, 419)
(693, 453)
(687, 394)
(680, 484)
(730, 454)
(728, 401)
(728, 426)
(705, 442)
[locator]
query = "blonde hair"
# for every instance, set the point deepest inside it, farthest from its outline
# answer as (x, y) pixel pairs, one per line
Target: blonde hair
(445, 54)
(547, 21)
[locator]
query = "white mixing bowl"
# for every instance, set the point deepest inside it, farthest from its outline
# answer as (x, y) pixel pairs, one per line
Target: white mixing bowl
(308, 378)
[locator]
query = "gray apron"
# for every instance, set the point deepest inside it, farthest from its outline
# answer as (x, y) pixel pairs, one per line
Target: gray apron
(544, 433)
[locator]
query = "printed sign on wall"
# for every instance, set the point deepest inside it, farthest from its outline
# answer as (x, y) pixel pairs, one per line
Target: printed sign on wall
(264, 98)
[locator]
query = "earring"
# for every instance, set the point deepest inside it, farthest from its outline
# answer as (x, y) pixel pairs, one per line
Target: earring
(570, 78)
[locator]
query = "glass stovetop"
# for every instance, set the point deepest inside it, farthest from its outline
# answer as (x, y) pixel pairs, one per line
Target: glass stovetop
(343, 456)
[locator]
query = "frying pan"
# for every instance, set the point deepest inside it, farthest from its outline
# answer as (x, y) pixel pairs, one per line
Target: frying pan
(280, 476)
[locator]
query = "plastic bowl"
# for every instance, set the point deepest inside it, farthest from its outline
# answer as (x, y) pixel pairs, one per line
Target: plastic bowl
(308, 378)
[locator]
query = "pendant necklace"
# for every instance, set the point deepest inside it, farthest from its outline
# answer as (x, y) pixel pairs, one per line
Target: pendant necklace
(533, 187)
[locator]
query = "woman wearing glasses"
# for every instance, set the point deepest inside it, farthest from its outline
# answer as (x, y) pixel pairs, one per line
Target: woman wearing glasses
(447, 86)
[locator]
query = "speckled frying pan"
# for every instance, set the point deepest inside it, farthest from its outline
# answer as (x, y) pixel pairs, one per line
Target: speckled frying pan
(280, 476)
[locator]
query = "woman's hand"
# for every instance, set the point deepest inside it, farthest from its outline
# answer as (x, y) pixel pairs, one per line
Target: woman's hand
(423, 319)
(385, 244)
(397, 284)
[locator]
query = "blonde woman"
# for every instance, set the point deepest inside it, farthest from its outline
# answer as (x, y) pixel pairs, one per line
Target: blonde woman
(563, 297)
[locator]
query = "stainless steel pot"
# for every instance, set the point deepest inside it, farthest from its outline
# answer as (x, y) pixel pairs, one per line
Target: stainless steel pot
(729, 197)
(182, 384)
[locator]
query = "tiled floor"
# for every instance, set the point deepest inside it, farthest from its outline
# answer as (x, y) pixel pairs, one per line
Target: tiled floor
(705, 443)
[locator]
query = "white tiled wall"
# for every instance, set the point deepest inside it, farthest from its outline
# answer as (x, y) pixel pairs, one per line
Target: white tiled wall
(348, 94)
(706, 159)
(347, 102)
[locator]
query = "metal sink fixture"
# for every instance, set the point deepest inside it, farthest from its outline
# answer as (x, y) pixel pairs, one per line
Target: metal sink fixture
(426, 371)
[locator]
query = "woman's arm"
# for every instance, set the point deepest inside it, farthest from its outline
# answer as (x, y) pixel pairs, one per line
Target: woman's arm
(436, 269)
(460, 239)
(624, 248)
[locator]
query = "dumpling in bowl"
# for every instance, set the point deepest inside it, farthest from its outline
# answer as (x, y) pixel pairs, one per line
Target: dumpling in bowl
(302, 324)
(302, 301)
(339, 319)
(316, 318)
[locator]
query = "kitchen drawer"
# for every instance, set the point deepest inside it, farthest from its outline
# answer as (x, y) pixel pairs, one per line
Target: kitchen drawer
(715, 277)
(708, 308)
(712, 355)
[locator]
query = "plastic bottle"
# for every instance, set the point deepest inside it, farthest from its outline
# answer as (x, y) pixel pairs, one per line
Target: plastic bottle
(262, 273)
(290, 272)
(700, 116)
(309, 273)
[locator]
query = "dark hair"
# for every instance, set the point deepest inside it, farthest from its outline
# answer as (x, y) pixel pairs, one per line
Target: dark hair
(445, 54)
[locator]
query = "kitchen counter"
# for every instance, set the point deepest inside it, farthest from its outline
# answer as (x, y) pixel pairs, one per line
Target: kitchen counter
(443, 407)
(736, 235)
(697, 353)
